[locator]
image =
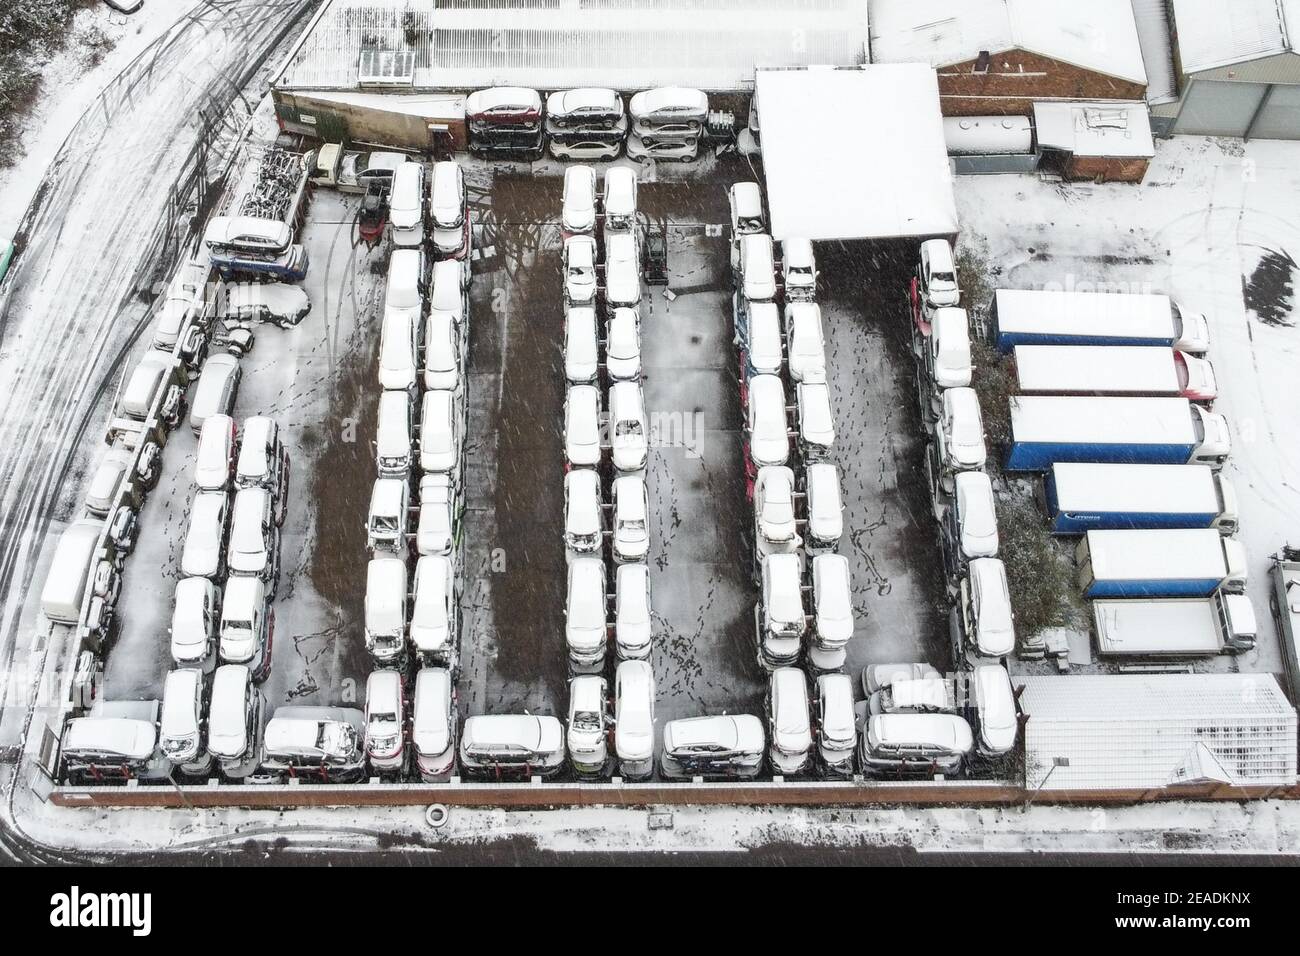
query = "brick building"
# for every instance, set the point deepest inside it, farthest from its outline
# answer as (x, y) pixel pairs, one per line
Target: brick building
(1001, 56)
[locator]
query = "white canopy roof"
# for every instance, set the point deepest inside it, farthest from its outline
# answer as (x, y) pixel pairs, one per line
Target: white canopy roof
(1212, 33)
(1109, 129)
(855, 153)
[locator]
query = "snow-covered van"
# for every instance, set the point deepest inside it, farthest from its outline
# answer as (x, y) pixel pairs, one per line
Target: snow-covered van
(66, 585)
(246, 244)
(385, 617)
(433, 728)
(314, 744)
(116, 742)
(196, 624)
(511, 745)
(235, 721)
(183, 730)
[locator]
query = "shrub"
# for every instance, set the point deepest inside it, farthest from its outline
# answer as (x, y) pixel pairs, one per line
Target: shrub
(1038, 574)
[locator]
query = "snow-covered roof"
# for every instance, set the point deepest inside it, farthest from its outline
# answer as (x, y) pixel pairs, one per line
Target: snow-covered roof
(883, 176)
(1150, 731)
(540, 44)
(1100, 36)
(1152, 19)
(1212, 33)
(1106, 129)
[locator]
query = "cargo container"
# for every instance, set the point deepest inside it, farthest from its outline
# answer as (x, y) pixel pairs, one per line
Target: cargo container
(1165, 563)
(1081, 496)
(1113, 370)
(1052, 317)
(1174, 627)
(1046, 429)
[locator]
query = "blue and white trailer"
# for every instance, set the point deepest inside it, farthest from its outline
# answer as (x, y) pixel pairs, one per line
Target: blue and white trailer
(1046, 429)
(1051, 317)
(1170, 562)
(1135, 370)
(1082, 496)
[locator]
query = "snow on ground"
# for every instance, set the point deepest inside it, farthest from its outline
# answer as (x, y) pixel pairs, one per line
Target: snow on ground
(68, 88)
(1213, 226)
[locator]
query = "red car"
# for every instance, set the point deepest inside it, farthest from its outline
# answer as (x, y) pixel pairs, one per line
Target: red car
(504, 106)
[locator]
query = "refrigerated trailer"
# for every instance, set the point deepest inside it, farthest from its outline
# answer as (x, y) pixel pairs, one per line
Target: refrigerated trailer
(1285, 601)
(1081, 496)
(1052, 317)
(1046, 429)
(1177, 562)
(1113, 370)
(1174, 627)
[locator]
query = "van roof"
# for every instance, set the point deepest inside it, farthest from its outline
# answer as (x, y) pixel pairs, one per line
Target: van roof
(243, 595)
(747, 200)
(587, 693)
(939, 730)
(489, 732)
(447, 293)
(838, 722)
(121, 736)
(246, 528)
(386, 496)
(731, 732)
(404, 269)
(630, 493)
(178, 715)
(797, 253)
(996, 705)
(430, 731)
(268, 232)
(815, 417)
(226, 709)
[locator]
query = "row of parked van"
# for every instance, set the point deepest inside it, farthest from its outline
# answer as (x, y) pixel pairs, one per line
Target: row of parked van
(588, 124)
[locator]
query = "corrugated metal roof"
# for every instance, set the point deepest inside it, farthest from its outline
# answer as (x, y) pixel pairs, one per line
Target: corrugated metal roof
(1214, 33)
(1152, 19)
(553, 44)
(1099, 36)
(1150, 731)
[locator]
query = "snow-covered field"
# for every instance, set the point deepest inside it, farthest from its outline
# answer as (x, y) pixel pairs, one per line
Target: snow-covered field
(1214, 226)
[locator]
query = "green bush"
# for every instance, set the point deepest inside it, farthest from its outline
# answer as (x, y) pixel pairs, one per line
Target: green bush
(1038, 574)
(30, 30)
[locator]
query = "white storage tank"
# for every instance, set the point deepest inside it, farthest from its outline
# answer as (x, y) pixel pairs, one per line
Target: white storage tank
(988, 135)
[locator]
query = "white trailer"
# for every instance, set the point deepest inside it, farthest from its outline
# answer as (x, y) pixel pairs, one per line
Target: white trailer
(1057, 317)
(1113, 370)
(1175, 627)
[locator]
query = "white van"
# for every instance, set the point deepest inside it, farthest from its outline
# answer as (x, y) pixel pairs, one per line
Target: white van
(196, 624)
(588, 725)
(433, 727)
(622, 270)
(798, 270)
(584, 518)
(264, 461)
(438, 527)
(511, 745)
(586, 630)
(578, 261)
(982, 624)
(315, 744)
(729, 747)
(147, 380)
(205, 541)
(182, 734)
(447, 210)
(435, 613)
(631, 540)
(788, 722)
(578, 207)
(582, 426)
(216, 391)
(816, 421)
(71, 580)
(775, 527)
(767, 425)
(632, 617)
(235, 721)
(254, 538)
(449, 296)
(970, 524)
(581, 355)
(118, 742)
(993, 706)
(387, 521)
(406, 206)
(620, 199)
(779, 616)
(634, 719)
(832, 611)
(101, 493)
(807, 345)
(214, 465)
(442, 352)
(629, 434)
(385, 722)
(441, 426)
(914, 745)
(623, 345)
(247, 626)
(403, 310)
(937, 275)
(764, 354)
(836, 725)
(386, 610)
(825, 509)
(393, 445)
(745, 202)
(757, 268)
(959, 432)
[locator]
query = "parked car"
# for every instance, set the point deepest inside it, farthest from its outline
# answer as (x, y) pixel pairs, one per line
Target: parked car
(152, 381)
(435, 614)
(757, 268)
(254, 538)
(728, 748)
(106, 480)
(623, 345)
(505, 745)
(632, 617)
(634, 719)
(584, 521)
(439, 525)
(315, 744)
(682, 150)
(588, 725)
(442, 431)
(385, 722)
(215, 393)
(359, 170)
(247, 626)
(585, 108)
(937, 275)
(406, 206)
(433, 727)
(959, 433)
(581, 348)
(203, 555)
(651, 109)
(586, 628)
(836, 727)
(182, 303)
(503, 106)
(578, 205)
(927, 695)
(767, 425)
(443, 359)
(788, 721)
(620, 199)
(992, 707)
(775, 530)
(807, 344)
(622, 270)
(587, 150)
(631, 519)
(764, 353)
(403, 312)
(982, 624)
(280, 303)
(779, 616)
(745, 201)
(235, 721)
(579, 264)
(832, 611)
(909, 745)
(389, 516)
(182, 730)
(816, 421)
(825, 509)
(386, 611)
(447, 210)
(195, 626)
(798, 270)
(582, 426)
(264, 461)
(393, 444)
(214, 465)
(877, 676)
(629, 438)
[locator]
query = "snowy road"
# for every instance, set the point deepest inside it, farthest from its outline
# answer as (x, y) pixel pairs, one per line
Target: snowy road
(78, 296)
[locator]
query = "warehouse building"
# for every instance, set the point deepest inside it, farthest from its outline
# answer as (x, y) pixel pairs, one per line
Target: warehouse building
(997, 57)
(1238, 69)
(395, 71)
